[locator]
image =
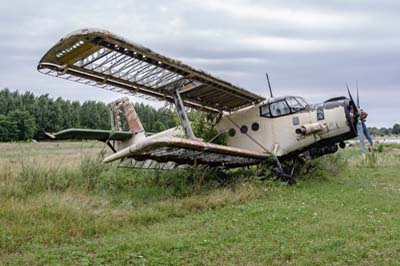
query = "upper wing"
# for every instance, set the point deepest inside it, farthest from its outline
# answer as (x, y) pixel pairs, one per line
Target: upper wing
(102, 135)
(102, 59)
(190, 152)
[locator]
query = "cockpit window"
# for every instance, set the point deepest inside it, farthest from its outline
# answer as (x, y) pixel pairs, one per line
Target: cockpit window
(294, 105)
(301, 101)
(283, 106)
(279, 108)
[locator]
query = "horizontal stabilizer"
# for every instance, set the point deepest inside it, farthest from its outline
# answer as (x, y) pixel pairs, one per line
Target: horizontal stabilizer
(95, 134)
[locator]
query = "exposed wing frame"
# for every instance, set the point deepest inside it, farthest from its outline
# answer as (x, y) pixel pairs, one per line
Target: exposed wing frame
(101, 59)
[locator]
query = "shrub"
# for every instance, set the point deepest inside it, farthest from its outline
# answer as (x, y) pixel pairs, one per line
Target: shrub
(34, 177)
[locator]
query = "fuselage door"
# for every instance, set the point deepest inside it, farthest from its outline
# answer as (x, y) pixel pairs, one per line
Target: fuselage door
(286, 115)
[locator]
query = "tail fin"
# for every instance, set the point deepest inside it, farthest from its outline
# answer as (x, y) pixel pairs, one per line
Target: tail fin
(132, 119)
(117, 138)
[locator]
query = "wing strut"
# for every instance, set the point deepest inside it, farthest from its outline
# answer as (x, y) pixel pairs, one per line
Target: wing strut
(180, 109)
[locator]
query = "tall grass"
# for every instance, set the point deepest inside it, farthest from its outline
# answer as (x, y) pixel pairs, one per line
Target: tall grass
(90, 170)
(323, 167)
(58, 205)
(50, 208)
(34, 177)
(31, 176)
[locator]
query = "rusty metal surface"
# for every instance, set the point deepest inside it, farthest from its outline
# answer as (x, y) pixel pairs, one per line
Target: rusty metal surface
(152, 165)
(101, 59)
(132, 118)
(190, 152)
(115, 114)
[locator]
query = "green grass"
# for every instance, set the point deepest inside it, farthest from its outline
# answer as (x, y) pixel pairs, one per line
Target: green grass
(78, 212)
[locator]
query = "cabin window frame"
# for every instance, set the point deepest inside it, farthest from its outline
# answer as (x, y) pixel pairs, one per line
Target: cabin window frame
(269, 114)
(291, 106)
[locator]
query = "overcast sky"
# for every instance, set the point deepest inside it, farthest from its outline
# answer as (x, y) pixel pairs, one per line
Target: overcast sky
(310, 48)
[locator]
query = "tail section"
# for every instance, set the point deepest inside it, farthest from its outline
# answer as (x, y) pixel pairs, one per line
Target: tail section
(132, 119)
(127, 129)
(124, 114)
(123, 117)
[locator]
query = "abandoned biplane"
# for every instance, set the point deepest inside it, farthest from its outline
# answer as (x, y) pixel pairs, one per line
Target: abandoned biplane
(281, 130)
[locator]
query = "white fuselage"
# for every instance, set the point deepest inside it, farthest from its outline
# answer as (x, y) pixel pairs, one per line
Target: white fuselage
(278, 134)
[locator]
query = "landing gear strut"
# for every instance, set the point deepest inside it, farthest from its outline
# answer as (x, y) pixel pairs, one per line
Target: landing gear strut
(285, 171)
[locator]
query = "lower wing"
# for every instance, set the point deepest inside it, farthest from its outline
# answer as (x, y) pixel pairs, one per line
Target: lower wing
(190, 152)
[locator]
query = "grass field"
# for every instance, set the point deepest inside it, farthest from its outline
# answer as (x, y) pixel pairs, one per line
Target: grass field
(59, 206)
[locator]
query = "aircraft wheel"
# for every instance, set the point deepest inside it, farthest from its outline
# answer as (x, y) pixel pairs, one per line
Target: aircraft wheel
(342, 145)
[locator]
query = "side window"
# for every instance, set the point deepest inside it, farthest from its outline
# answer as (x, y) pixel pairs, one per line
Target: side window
(279, 108)
(264, 110)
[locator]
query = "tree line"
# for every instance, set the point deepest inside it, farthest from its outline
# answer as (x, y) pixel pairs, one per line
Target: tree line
(383, 131)
(24, 116)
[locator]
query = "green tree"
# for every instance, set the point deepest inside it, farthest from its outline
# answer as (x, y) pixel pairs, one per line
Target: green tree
(53, 115)
(8, 129)
(203, 125)
(374, 131)
(396, 129)
(158, 126)
(25, 124)
(384, 131)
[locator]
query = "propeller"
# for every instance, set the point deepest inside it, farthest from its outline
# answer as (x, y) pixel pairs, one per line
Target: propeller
(359, 119)
(352, 103)
(358, 98)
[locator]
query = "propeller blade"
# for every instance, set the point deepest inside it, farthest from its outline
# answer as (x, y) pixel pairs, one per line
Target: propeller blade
(352, 102)
(358, 98)
(348, 90)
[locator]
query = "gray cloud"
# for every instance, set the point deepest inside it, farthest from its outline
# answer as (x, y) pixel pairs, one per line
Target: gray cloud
(310, 48)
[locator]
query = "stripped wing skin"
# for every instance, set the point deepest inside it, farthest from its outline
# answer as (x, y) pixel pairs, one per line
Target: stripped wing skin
(102, 59)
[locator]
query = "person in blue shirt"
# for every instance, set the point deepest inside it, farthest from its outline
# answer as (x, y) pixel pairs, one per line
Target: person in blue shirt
(362, 130)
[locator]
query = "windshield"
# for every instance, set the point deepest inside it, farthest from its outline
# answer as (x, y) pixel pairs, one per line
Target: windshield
(301, 101)
(295, 106)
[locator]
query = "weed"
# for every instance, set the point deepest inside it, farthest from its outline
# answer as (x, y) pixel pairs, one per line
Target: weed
(91, 169)
(7, 181)
(34, 177)
(372, 159)
(323, 167)
(380, 147)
